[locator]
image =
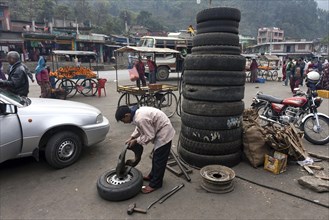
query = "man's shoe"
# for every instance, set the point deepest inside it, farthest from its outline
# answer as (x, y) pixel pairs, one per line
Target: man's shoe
(147, 189)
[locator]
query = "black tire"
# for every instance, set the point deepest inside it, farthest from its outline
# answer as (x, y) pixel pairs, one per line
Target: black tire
(204, 108)
(63, 149)
(162, 73)
(119, 192)
(168, 104)
(215, 62)
(209, 136)
(211, 123)
(319, 138)
(199, 160)
(218, 13)
(214, 78)
(213, 93)
(211, 39)
(227, 26)
(222, 49)
(215, 149)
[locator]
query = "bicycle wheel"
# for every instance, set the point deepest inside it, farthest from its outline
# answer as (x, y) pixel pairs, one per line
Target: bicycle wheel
(128, 99)
(148, 100)
(88, 87)
(268, 75)
(168, 104)
(274, 75)
(69, 87)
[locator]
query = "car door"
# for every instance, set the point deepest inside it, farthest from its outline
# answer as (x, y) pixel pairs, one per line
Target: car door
(10, 134)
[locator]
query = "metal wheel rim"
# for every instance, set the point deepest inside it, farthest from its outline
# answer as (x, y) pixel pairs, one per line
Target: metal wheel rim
(114, 180)
(168, 100)
(309, 129)
(66, 150)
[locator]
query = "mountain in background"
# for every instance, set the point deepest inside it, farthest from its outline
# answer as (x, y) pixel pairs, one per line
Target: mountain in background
(298, 18)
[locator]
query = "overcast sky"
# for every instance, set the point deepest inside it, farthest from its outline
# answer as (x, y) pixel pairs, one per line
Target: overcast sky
(324, 4)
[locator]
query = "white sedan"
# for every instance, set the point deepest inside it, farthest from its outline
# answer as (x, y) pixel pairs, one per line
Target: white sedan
(60, 128)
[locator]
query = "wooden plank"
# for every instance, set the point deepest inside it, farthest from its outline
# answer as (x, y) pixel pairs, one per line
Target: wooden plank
(323, 157)
(308, 170)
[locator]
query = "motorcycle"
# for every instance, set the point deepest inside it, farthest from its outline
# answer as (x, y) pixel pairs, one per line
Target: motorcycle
(300, 110)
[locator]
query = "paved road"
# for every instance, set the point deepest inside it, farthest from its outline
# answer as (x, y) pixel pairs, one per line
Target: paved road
(33, 190)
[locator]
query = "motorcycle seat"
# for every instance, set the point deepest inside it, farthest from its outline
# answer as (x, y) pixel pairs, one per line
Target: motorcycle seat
(270, 98)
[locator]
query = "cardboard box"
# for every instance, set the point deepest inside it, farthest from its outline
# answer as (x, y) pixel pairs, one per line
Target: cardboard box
(276, 164)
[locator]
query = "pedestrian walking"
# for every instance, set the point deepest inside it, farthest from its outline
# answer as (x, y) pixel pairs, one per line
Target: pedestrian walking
(141, 72)
(17, 81)
(42, 77)
(152, 70)
(2, 73)
(253, 70)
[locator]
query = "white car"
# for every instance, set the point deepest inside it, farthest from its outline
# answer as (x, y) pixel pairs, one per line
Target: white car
(60, 128)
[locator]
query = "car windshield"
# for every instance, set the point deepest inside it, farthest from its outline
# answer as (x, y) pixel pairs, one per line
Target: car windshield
(9, 97)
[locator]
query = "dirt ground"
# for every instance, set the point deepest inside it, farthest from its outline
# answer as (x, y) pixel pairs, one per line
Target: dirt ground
(33, 190)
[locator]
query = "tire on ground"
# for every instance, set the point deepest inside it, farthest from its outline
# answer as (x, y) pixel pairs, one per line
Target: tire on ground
(199, 160)
(205, 108)
(215, 78)
(211, 39)
(211, 148)
(215, 62)
(227, 26)
(221, 49)
(218, 13)
(211, 136)
(211, 123)
(122, 191)
(213, 93)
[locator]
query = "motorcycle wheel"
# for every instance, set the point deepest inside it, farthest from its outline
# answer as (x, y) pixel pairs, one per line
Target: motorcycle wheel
(319, 138)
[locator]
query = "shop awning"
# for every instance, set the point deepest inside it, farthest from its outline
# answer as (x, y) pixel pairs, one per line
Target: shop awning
(145, 50)
(75, 53)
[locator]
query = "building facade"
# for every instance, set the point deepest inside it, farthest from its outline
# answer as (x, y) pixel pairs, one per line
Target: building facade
(272, 34)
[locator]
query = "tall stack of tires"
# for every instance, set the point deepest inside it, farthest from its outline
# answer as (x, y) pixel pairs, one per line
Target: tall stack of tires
(213, 90)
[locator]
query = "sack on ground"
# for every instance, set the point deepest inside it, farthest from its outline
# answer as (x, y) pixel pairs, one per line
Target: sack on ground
(254, 145)
(133, 74)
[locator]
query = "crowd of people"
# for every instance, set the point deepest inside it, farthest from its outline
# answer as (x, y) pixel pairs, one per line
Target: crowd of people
(295, 72)
(18, 75)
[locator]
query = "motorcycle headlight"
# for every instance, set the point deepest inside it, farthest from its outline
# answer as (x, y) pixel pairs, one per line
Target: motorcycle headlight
(318, 101)
(99, 119)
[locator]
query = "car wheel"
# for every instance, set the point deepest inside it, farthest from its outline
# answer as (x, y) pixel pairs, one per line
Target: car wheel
(211, 136)
(215, 62)
(213, 93)
(211, 148)
(112, 188)
(221, 49)
(222, 13)
(216, 38)
(162, 73)
(211, 123)
(199, 161)
(63, 149)
(214, 78)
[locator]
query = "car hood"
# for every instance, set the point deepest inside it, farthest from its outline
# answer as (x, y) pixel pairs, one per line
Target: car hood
(47, 106)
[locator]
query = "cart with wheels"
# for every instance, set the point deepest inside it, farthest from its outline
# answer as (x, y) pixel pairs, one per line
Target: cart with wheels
(269, 67)
(74, 79)
(160, 96)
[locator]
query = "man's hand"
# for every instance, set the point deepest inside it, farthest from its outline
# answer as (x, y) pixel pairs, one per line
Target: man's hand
(132, 143)
(127, 141)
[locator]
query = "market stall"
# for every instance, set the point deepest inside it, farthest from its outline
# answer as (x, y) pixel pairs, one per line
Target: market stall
(268, 67)
(157, 95)
(74, 78)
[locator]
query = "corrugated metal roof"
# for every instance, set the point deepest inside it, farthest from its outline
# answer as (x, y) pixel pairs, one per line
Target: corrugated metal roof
(72, 52)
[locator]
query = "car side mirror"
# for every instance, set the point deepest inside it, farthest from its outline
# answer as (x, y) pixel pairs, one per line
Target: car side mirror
(7, 109)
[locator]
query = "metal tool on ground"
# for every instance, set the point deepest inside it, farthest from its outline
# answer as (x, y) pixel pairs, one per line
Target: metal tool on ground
(132, 208)
(172, 193)
(183, 169)
(163, 196)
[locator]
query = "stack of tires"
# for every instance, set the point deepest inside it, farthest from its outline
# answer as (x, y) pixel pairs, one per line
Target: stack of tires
(213, 90)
